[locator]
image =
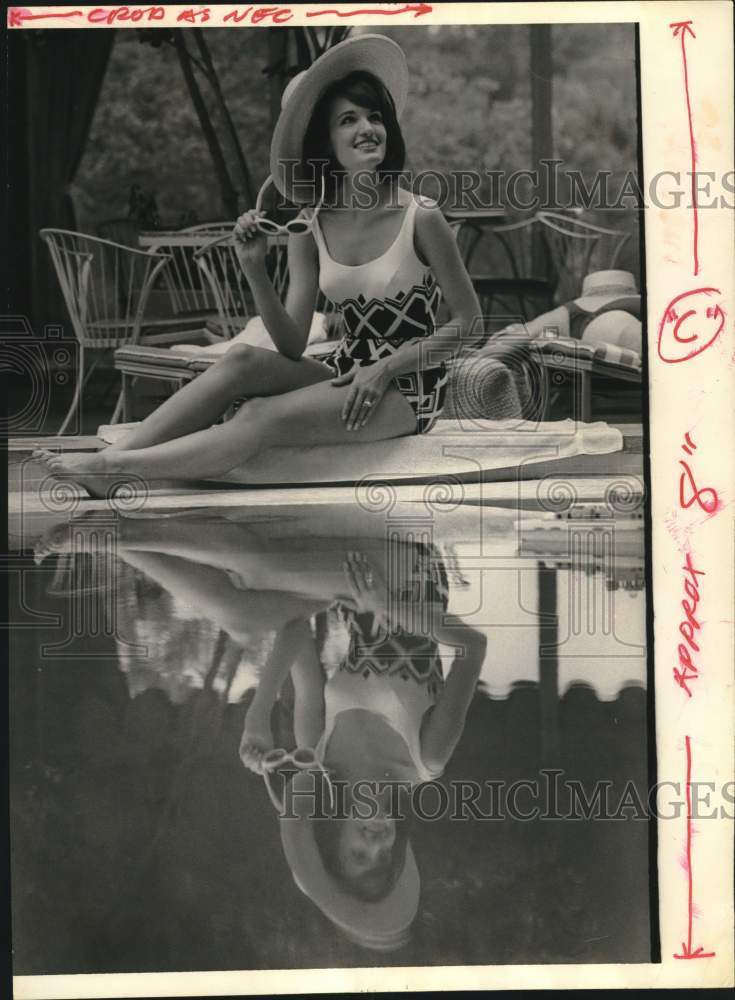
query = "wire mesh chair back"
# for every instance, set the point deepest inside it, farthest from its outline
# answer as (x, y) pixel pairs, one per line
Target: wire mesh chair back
(523, 269)
(514, 271)
(105, 285)
(583, 247)
(280, 277)
(187, 289)
(227, 284)
(231, 292)
(467, 235)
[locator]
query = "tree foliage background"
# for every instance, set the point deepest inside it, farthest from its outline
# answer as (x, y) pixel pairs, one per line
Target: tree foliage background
(469, 109)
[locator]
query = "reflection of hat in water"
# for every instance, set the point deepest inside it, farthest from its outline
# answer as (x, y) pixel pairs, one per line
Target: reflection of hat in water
(383, 924)
(375, 54)
(602, 287)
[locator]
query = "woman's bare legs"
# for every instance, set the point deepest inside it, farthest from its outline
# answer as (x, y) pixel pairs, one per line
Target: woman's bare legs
(244, 371)
(306, 416)
(211, 592)
(307, 675)
(293, 641)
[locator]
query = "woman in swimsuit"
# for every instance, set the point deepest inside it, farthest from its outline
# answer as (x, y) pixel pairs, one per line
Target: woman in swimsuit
(386, 265)
(608, 311)
(385, 714)
(385, 721)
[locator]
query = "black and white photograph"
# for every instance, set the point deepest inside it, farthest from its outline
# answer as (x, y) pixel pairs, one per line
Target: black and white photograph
(331, 566)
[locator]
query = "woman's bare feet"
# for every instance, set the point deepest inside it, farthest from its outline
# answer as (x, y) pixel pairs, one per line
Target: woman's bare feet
(78, 534)
(88, 469)
(54, 541)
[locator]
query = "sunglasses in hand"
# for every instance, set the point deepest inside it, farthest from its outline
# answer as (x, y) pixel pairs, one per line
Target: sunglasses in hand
(303, 759)
(294, 227)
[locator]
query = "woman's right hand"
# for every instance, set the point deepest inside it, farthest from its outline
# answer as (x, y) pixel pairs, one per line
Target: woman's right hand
(368, 588)
(250, 244)
(254, 745)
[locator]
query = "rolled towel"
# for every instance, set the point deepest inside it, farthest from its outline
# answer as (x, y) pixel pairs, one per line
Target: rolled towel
(482, 387)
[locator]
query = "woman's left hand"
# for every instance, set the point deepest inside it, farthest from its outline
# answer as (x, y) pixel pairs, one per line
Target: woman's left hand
(369, 384)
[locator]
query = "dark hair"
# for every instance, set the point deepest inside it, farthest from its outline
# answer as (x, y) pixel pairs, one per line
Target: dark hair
(374, 884)
(365, 90)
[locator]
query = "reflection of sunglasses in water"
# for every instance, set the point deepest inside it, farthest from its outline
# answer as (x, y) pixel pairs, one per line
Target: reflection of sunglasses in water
(303, 758)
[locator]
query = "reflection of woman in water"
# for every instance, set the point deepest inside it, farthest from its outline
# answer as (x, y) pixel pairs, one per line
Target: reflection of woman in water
(385, 715)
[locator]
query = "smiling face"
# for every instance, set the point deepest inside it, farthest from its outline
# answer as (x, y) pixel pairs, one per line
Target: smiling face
(365, 849)
(357, 135)
(353, 127)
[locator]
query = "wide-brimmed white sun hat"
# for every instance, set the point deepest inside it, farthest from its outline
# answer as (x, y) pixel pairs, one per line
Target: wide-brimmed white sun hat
(600, 287)
(375, 54)
(384, 924)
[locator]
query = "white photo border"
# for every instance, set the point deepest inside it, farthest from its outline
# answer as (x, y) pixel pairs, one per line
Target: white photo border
(691, 396)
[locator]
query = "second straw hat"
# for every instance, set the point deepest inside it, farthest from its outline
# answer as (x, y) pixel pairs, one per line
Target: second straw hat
(376, 54)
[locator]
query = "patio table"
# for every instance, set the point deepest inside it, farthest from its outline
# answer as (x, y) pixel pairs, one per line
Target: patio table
(154, 239)
(479, 216)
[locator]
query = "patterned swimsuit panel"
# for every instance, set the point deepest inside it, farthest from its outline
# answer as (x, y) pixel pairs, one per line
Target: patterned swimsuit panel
(375, 650)
(386, 303)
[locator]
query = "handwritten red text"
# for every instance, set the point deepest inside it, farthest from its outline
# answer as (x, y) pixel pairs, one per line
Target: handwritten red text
(109, 15)
(689, 627)
(689, 493)
(691, 323)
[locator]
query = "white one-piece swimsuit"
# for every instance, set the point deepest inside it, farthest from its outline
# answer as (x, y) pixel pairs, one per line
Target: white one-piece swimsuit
(386, 303)
(392, 673)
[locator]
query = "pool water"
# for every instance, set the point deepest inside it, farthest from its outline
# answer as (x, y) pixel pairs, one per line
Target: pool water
(141, 841)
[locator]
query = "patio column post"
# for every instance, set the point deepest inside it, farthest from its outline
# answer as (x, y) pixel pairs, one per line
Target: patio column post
(277, 56)
(548, 608)
(542, 137)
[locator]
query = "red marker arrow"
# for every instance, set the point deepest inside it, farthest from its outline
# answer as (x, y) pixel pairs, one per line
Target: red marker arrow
(681, 30)
(17, 15)
(699, 953)
(416, 8)
(686, 946)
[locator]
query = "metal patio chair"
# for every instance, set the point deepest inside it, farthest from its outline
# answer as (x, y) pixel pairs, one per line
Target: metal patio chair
(187, 297)
(533, 264)
(230, 294)
(583, 246)
(585, 367)
(106, 287)
(233, 307)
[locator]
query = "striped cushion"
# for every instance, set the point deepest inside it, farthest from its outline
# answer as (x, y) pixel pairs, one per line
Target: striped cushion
(155, 356)
(611, 354)
(607, 354)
